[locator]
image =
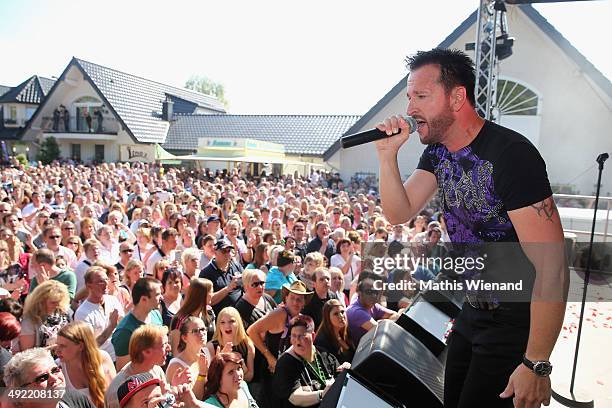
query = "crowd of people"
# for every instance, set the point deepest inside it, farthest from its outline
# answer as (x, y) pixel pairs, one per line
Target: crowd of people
(133, 285)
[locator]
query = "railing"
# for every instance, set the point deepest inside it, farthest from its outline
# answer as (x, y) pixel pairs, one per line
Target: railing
(110, 126)
(576, 213)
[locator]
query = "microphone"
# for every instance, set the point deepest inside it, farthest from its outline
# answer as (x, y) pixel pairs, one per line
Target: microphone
(371, 135)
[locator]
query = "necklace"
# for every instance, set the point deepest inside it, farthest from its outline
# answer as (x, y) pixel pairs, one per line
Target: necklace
(316, 369)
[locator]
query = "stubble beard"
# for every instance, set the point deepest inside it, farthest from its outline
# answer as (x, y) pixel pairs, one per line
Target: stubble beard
(437, 127)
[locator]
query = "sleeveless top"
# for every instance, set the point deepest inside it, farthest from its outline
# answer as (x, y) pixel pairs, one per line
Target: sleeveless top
(69, 385)
(277, 343)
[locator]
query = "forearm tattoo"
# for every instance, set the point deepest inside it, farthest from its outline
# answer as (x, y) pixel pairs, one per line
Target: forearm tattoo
(546, 208)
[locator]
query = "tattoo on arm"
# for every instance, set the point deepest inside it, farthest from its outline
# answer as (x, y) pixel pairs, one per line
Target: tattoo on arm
(546, 208)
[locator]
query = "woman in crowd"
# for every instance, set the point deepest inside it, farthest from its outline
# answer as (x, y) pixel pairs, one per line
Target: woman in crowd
(143, 243)
(312, 261)
(45, 312)
(337, 285)
(277, 229)
(169, 209)
(226, 386)
(347, 261)
(133, 271)
(74, 242)
(197, 303)
(10, 328)
(417, 225)
(86, 368)
(333, 335)
(160, 267)
(73, 214)
(254, 303)
(304, 374)
(192, 355)
(87, 229)
(270, 333)
(171, 288)
(187, 239)
(114, 289)
(261, 258)
(190, 261)
(231, 336)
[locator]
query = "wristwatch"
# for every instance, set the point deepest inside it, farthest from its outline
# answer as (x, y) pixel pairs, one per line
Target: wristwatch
(541, 368)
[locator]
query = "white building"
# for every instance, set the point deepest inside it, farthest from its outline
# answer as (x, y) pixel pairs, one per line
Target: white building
(564, 107)
(98, 114)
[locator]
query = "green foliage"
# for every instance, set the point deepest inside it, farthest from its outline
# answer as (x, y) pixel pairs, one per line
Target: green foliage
(22, 159)
(207, 86)
(49, 150)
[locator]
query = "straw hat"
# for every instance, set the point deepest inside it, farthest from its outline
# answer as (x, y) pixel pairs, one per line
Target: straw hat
(299, 288)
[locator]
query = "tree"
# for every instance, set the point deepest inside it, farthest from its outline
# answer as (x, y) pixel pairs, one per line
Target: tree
(207, 86)
(49, 150)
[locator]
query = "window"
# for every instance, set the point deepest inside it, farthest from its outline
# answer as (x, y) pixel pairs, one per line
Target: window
(516, 99)
(99, 155)
(30, 113)
(75, 151)
(13, 113)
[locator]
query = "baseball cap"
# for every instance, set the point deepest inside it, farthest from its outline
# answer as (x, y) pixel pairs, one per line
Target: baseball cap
(222, 244)
(213, 218)
(133, 384)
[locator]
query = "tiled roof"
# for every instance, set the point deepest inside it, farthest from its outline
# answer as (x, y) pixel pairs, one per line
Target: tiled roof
(4, 89)
(589, 69)
(300, 134)
(138, 101)
(33, 90)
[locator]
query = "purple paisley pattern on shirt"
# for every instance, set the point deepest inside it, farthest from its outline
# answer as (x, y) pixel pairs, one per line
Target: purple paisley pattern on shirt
(474, 212)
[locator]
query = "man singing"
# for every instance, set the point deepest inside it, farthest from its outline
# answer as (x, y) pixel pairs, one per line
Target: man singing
(493, 187)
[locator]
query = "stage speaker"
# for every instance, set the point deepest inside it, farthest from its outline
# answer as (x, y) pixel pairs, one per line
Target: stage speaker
(447, 301)
(427, 323)
(400, 366)
(350, 390)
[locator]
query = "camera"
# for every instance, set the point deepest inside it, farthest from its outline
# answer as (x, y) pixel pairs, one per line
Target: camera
(169, 402)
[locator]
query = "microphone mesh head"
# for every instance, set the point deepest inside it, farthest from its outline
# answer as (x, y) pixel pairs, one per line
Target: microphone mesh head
(411, 122)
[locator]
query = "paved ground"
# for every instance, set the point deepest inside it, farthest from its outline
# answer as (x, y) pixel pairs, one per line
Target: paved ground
(594, 371)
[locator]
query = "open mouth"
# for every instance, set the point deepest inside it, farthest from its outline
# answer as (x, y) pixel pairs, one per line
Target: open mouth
(420, 123)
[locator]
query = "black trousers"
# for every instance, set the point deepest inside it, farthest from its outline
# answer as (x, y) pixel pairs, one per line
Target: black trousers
(484, 349)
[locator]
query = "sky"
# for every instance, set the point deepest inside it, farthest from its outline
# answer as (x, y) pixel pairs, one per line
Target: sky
(272, 56)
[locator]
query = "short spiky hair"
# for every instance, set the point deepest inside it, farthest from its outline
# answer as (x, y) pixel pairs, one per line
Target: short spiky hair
(456, 68)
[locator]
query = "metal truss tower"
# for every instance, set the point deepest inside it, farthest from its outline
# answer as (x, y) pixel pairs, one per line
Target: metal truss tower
(491, 23)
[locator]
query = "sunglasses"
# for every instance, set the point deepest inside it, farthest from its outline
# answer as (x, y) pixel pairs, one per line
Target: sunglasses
(68, 228)
(44, 377)
(127, 250)
(258, 284)
(370, 292)
(199, 330)
(54, 236)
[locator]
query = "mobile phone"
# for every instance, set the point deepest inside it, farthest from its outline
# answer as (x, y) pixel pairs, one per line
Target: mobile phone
(177, 255)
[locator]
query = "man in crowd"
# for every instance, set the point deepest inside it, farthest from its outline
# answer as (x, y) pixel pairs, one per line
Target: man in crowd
(322, 294)
(365, 311)
(322, 242)
(52, 237)
(44, 265)
(100, 310)
(91, 248)
(34, 369)
(166, 251)
(225, 275)
(148, 349)
(146, 296)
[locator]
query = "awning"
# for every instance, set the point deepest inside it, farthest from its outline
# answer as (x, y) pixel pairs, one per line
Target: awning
(253, 159)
